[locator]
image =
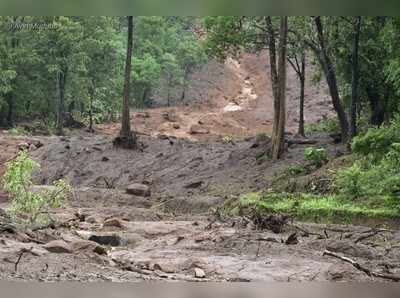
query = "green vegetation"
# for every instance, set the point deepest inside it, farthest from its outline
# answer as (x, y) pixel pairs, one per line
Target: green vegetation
(74, 68)
(27, 206)
(327, 126)
(308, 207)
(316, 156)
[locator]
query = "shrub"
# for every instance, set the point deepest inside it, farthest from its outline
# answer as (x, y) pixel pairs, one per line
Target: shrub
(316, 156)
(27, 206)
(327, 126)
(377, 141)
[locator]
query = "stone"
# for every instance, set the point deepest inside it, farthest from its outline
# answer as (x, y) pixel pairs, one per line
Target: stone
(140, 190)
(85, 245)
(58, 246)
(92, 219)
(176, 126)
(105, 159)
(197, 129)
(165, 267)
(113, 222)
(142, 115)
(199, 273)
(170, 116)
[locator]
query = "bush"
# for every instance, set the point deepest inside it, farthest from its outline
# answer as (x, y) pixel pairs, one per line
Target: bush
(376, 142)
(27, 206)
(316, 156)
(327, 126)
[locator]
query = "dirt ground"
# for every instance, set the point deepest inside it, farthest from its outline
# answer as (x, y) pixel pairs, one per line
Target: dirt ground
(190, 160)
(172, 234)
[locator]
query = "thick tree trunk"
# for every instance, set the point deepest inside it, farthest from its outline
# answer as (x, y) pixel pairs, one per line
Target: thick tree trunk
(355, 78)
(278, 139)
(329, 71)
(127, 139)
(302, 90)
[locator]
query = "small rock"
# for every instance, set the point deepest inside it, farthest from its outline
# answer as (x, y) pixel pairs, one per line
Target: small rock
(113, 222)
(170, 116)
(85, 245)
(176, 126)
(167, 268)
(58, 246)
(197, 129)
(196, 184)
(199, 273)
(92, 219)
(140, 190)
(105, 158)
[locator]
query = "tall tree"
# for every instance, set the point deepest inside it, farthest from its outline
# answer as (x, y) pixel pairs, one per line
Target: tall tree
(328, 67)
(355, 77)
(278, 133)
(126, 138)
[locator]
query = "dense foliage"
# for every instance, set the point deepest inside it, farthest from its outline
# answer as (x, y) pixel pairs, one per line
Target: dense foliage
(76, 64)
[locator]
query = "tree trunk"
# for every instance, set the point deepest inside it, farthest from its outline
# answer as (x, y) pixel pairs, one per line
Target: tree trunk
(302, 88)
(10, 113)
(377, 109)
(91, 109)
(329, 71)
(61, 78)
(127, 139)
(355, 78)
(278, 139)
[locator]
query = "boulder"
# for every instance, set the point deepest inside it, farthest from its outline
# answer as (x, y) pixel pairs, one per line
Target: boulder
(199, 273)
(140, 190)
(197, 129)
(113, 222)
(58, 246)
(170, 116)
(85, 245)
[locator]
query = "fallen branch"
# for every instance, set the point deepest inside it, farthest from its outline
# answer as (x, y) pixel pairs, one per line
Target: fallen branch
(361, 268)
(21, 253)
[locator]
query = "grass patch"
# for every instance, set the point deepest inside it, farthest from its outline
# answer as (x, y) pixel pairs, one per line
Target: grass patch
(320, 209)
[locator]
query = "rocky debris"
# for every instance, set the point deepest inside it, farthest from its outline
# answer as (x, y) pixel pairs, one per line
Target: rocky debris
(58, 246)
(170, 116)
(113, 222)
(140, 190)
(275, 223)
(199, 273)
(111, 240)
(105, 159)
(165, 267)
(92, 219)
(197, 129)
(85, 245)
(176, 126)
